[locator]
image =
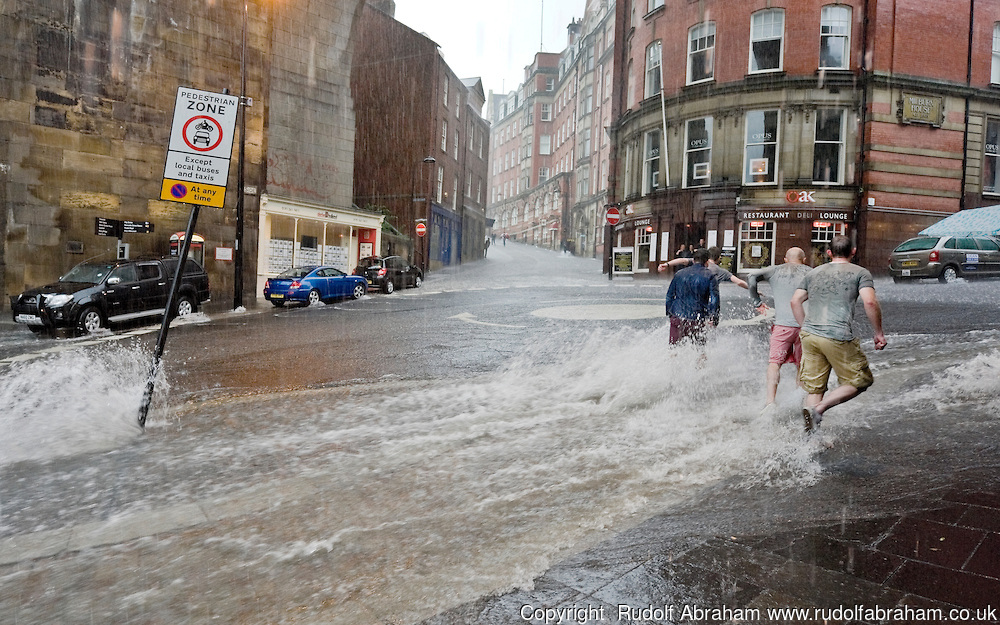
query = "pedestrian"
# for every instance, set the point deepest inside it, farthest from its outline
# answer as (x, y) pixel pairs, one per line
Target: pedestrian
(693, 301)
(827, 333)
(785, 346)
(714, 254)
(486, 247)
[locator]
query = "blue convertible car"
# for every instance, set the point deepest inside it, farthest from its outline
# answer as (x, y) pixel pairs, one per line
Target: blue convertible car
(307, 285)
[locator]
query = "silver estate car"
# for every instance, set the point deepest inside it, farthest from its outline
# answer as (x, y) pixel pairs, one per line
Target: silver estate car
(945, 258)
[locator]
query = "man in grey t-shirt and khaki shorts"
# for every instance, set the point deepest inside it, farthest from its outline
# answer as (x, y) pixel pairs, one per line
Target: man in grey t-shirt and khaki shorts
(827, 334)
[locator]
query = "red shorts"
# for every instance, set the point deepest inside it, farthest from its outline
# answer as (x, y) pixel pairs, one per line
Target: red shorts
(785, 346)
(687, 328)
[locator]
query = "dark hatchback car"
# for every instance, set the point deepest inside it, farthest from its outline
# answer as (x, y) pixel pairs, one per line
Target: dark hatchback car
(945, 258)
(96, 294)
(389, 273)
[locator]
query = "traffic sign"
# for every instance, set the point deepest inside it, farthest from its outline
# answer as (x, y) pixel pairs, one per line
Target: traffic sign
(200, 148)
(421, 229)
(613, 216)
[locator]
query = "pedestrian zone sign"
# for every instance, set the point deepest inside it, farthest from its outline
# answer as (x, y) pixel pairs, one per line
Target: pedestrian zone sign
(201, 146)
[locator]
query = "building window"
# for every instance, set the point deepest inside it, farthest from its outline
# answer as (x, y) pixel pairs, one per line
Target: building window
(701, 52)
(651, 162)
(995, 67)
(652, 5)
(458, 105)
(630, 87)
(446, 91)
(440, 184)
(760, 159)
(543, 174)
(444, 136)
(698, 152)
(835, 37)
(545, 144)
(756, 245)
(766, 35)
(550, 84)
(455, 145)
(653, 82)
(546, 113)
(828, 150)
(991, 173)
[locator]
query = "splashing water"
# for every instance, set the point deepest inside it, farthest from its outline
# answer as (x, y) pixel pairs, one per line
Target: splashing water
(73, 402)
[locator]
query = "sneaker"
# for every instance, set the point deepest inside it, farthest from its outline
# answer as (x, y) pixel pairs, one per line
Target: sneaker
(811, 419)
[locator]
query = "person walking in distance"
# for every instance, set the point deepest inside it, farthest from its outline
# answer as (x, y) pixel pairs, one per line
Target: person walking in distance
(785, 346)
(827, 334)
(692, 301)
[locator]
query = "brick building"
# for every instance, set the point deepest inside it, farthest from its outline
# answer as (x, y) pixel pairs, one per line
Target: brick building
(550, 153)
(783, 123)
(86, 98)
(420, 135)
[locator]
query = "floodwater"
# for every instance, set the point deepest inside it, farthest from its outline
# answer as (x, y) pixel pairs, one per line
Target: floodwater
(358, 504)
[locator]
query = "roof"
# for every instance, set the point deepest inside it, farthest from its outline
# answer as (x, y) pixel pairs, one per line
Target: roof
(972, 222)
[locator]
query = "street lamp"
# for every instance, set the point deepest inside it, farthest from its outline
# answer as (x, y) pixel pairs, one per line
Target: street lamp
(241, 171)
(428, 160)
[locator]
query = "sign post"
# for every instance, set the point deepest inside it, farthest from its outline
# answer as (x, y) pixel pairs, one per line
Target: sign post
(196, 173)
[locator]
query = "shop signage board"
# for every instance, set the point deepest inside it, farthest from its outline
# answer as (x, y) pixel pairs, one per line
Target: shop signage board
(200, 148)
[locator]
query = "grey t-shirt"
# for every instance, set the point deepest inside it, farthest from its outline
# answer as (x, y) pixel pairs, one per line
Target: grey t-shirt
(833, 292)
(719, 274)
(784, 279)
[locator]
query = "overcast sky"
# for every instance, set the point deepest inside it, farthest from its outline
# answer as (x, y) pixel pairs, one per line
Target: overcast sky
(492, 40)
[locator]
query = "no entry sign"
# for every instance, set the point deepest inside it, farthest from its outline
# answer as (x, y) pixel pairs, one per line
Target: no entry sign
(421, 229)
(201, 145)
(613, 216)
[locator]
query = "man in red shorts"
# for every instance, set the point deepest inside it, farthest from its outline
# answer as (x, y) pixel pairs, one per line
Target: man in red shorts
(785, 345)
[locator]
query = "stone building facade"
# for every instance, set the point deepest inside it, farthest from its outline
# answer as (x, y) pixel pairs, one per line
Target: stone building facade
(87, 90)
(760, 125)
(421, 150)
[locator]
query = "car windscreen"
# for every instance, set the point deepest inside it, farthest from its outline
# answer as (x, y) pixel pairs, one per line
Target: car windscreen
(296, 272)
(86, 272)
(916, 245)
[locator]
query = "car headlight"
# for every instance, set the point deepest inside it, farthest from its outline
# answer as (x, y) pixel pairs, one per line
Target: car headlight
(58, 301)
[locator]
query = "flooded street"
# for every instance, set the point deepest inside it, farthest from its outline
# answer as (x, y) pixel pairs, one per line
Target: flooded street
(393, 498)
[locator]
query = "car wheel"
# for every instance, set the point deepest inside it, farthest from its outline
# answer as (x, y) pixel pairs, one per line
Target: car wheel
(90, 320)
(949, 274)
(388, 287)
(417, 281)
(314, 298)
(277, 303)
(185, 306)
(359, 291)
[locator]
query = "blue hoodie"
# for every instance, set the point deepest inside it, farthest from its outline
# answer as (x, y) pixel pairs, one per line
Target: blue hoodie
(693, 295)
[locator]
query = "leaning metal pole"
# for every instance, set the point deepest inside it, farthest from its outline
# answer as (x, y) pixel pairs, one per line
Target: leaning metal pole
(154, 370)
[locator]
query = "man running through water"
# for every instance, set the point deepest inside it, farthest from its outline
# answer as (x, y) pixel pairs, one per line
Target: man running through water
(785, 346)
(827, 334)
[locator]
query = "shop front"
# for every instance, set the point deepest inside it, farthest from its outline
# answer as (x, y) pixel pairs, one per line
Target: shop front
(766, 233)
(294, 233)
(634, 243)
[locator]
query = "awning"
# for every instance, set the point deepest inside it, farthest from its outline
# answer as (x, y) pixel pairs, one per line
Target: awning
(968, 223)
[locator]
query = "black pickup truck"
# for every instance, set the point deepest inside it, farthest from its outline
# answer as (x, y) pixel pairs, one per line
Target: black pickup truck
(96, 294)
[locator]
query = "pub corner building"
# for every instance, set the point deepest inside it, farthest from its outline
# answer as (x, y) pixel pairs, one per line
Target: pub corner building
(787, 124)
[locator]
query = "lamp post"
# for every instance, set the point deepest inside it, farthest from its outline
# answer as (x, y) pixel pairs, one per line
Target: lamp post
(241, 171)
(428, 160)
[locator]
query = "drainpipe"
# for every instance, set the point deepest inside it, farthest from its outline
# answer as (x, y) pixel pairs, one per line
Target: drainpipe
(864, 119)
(968, 97)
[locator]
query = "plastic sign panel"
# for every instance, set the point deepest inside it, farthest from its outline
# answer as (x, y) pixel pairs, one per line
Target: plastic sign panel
(201, 146)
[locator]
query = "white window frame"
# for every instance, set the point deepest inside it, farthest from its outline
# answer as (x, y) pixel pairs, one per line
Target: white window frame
(840, 142)
(703, 178)
(749, 142)
(652, 5)
(444, 136)
(545, 144)
(763, 234)
(440, 184)
(991, 156)
(654, 61)
(835, 23)
(762, 30)
(701, 40)
(546, 114)
(651, 161)
(995, 63)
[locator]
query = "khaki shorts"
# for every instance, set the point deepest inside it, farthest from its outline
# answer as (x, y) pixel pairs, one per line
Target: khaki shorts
(845, 358)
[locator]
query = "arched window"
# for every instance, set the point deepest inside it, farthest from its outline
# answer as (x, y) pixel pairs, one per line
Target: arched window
(835, 37)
